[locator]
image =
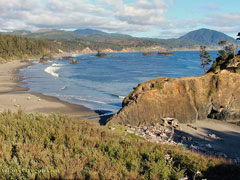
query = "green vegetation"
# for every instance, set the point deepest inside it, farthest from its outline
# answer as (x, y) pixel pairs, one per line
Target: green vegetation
(70, 41)
(205, 58)
(158, 85)
(227, 59)
(12, 47)
(177, 43)
(36, 146)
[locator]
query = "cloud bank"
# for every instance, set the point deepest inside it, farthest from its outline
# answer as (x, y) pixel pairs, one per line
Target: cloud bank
(114, 16)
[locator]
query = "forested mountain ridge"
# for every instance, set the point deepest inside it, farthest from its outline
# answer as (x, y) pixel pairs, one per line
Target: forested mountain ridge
(206, 37)
(18, 44)
(191, 40)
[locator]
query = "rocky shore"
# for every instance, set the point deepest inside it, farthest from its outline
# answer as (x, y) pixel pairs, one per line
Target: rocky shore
(170, 132)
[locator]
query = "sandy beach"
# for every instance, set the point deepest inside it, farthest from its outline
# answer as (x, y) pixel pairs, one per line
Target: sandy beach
(222, 136)
(14, 98)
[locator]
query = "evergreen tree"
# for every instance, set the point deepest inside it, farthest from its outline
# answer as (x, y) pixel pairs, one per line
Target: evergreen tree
(222, 43)
(238, 38)
(205, 58)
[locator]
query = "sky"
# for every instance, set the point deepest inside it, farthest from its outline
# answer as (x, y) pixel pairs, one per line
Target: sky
(140, 18)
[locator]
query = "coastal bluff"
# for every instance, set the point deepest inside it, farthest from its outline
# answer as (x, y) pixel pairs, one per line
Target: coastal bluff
(188, 99)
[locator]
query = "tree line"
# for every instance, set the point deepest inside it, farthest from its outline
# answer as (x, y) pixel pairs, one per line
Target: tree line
(13, 47)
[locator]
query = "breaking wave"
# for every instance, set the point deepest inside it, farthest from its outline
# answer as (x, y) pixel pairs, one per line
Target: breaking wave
(52, 69)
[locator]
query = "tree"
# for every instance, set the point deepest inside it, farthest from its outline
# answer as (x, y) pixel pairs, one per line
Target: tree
(205, 58)
(222, 53)
(231, 49)
(238, 38)
(222, 43)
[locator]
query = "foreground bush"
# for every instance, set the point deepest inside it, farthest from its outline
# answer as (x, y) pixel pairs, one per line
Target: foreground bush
(36, 146)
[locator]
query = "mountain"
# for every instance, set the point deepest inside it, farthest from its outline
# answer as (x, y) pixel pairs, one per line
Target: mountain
(84, 34)
(97, 33)
(89, 31)
(206, 37)
(95, 39)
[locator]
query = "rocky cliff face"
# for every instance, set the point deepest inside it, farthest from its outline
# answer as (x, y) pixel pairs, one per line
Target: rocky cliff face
(186, 99)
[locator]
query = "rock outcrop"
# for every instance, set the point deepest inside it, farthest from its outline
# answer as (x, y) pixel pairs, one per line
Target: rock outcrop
(213, 95)
(101, 54)
(147, 54)
(74, 61)
(45, 58)
(165, 53)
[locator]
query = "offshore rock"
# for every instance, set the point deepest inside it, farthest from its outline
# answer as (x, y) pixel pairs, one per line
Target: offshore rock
(45, 58)
(101, 54)
(186, 99)
(165, 53)
(147, 54)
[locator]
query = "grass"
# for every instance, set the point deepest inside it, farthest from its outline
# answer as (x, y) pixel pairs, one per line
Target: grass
(158, 85)
(36, 146)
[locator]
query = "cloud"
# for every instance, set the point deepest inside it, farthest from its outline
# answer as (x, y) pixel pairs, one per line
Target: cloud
(142, 12)
(223, 19)
(135, 16)
(212, 6)
(172, 33)
(225, 22)
(72, 14)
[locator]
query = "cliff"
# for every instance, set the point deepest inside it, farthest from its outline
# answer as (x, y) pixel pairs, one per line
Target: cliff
(213, 95)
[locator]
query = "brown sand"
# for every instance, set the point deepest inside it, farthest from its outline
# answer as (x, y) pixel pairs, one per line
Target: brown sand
(16, 98)
(228, 135)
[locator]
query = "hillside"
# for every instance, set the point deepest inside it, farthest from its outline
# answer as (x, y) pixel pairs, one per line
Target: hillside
(13, 47)
(73, 149)
(206, 37)
(76, 41)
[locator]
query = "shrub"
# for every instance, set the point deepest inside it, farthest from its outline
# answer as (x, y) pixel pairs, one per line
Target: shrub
(36, 146)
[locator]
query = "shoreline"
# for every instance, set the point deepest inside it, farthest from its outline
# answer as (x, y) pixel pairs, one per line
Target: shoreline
(14, 98)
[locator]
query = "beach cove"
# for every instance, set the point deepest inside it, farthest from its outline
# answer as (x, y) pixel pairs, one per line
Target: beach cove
(14, 98)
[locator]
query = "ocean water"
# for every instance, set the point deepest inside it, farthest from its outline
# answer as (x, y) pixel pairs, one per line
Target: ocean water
(102, 83)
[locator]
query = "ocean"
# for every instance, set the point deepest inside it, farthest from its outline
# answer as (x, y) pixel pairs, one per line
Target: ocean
(102, 83)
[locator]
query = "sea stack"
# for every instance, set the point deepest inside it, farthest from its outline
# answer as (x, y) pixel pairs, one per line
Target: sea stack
(101, 54)
(165, 53)
(74, 61)
(147, 54)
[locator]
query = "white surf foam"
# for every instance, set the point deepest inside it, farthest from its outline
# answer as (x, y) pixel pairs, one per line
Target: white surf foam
(90, 100)
(52, 70)
(121, 97)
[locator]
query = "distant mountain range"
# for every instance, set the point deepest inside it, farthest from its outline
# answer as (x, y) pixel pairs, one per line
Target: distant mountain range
(190, 40)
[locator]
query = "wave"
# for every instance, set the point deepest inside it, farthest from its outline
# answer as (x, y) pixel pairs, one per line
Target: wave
(115, 95)
(64, 87)
(90, 100)
(52, 69)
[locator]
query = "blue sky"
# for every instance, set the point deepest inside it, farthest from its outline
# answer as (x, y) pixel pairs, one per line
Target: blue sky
(142, 18)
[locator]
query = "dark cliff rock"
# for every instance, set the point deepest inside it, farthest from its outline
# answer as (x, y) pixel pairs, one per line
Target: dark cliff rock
(101, 54)
(165, 53)
(147, 54)
(214, 95)
(45, 58)
(67, 58)
(74, 61)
